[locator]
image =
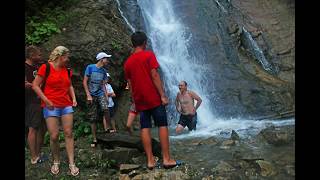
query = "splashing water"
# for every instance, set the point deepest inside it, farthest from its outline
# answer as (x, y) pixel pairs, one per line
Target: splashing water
(245, 128)
(169, 40)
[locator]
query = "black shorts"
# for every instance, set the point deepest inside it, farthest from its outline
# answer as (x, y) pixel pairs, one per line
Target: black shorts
(158, 114)
(188, 120)
(33, 116)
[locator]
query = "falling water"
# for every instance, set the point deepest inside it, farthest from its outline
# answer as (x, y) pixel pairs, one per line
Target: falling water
(170, 42)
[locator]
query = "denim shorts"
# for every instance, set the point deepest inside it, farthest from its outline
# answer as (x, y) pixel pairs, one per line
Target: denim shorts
(158, 114)
(57, 112)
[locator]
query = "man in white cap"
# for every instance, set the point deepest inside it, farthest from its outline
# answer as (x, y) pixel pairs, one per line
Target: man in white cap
(93, 82)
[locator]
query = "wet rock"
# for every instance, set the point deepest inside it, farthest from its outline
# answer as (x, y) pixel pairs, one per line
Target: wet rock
(236, 155)
(208, 141)
(139, 160)
(228, 143)
(132, 12)
(278, 135)
(235, 136)
(124, 140)
(120, 154)
(223, 167)
(126, 168)
(266, 168)
(255, 34)
(196, 142)
(124, 177)
(233, 28)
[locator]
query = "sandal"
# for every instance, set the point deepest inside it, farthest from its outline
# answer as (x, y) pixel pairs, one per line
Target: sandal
(107, 130)
(37, 161)
(74, 170)
(178, 163)
(156, 164)
(113, 131)
(55, 168)
(94, 144)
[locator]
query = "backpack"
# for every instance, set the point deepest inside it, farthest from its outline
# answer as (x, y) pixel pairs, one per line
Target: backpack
(47, 74)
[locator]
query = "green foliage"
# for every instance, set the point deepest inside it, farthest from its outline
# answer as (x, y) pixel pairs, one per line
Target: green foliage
(104, 164)
(82, 129)
(47, 22)
(46, 138)
(40, 31)
(61, 136)
(115, 45)
(81, 126)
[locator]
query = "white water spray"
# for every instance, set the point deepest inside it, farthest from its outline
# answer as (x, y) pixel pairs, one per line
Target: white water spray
(170, 44)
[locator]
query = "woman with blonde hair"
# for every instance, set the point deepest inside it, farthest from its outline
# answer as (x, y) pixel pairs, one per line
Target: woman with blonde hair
(57, 99)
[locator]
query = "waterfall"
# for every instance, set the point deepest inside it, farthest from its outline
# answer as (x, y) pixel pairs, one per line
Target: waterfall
(170, 42)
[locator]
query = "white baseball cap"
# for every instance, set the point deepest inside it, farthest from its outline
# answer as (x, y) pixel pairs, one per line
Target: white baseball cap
(102, 55)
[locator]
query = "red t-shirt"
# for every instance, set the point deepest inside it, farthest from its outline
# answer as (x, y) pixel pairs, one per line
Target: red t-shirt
(137, 68)
(57, 86)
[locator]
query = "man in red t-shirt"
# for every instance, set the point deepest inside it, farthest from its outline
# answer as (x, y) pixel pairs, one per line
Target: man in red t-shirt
(149, 98)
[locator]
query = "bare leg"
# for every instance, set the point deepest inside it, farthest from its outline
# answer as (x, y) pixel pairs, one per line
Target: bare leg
(179, 129)
(164, 141)
(146, 141)
(106, 117)
(105, 127)
(131, 117)
(94, 131)
(53, 128)
(40, 136)
(67, 123)
(113, 124)
(32, 140)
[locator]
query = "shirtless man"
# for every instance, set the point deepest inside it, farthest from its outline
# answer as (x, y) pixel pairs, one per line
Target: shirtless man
(185, 106)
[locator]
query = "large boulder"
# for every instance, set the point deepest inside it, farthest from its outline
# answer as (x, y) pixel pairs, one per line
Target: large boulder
(278, 135)
(113, 140)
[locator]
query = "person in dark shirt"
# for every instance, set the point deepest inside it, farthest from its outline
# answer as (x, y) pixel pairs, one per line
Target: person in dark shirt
(33, 113)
